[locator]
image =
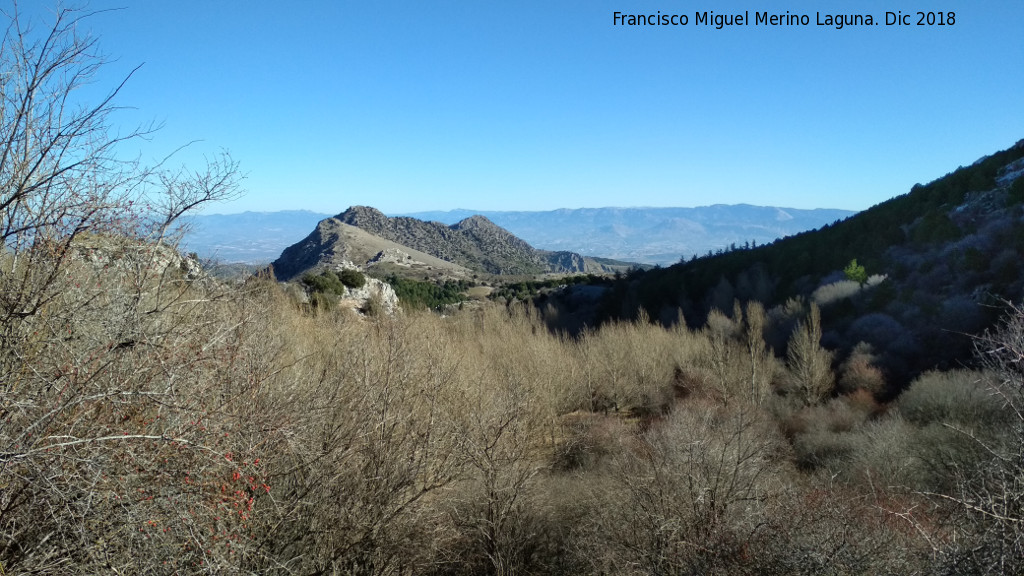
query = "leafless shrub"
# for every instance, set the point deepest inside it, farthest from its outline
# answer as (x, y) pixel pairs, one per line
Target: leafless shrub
(858, 371)
(724, 363)
(761, 361)
(681, 502)
(958, 397)
(836, 291)
(502, 425)
(734, 359)
(824, 450)
(125, 442)
(587, 440)
(366, 443)
(631, 364)
(124, 445)
(884, 459)
(810, 365)
(831, 529)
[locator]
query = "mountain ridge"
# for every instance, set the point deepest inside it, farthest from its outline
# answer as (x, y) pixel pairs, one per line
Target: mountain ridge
(474, 242)
(332, 243)
(366, 237)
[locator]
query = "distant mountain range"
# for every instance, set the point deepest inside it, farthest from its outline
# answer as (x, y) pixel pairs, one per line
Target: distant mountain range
(644, 235)
(651, 235)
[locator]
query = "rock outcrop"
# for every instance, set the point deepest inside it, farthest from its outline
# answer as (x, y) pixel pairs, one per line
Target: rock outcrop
(322, 249)
(127, 254)
(359, 298)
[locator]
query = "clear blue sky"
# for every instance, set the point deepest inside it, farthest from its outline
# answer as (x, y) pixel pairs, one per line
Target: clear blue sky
(531, 105)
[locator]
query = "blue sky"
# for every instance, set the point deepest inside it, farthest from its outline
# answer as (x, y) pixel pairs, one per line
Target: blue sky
(532, 105)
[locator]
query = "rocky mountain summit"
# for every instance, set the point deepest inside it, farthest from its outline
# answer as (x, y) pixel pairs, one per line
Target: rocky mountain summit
(334, 243)
(410, 247)
(475, 243)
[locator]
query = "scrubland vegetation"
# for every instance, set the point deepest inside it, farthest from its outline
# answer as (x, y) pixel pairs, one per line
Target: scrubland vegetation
(155, 425)
(154, 421)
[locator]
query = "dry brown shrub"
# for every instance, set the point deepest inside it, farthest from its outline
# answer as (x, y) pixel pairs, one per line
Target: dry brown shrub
(587, 439)
(680, 504)
(960, 397)
(133, 438)
(631, 364)
(863, 401)
(858, 372)
(367, 442)
(831, 529)
(984, 496)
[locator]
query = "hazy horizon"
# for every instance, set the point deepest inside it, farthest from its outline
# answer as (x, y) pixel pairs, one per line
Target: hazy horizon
(402, 213)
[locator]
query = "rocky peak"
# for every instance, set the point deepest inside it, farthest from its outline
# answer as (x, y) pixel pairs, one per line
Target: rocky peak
(493, 238)
(322, 245)
(567, 261)
(363, 217)
(476, 222)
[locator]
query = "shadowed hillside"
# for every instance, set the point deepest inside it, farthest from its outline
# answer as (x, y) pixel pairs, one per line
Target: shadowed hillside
(943, 257)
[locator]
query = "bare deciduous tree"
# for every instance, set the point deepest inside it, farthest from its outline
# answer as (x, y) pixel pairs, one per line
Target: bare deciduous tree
(810, 365)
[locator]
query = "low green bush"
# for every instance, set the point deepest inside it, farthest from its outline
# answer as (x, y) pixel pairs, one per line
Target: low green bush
(331, 282)
(352, 278)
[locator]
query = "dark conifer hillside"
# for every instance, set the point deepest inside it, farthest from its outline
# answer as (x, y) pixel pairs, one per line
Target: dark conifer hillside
(940, 258)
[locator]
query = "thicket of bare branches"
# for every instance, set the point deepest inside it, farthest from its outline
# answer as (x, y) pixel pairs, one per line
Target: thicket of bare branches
(121, 427)
(987, 491)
